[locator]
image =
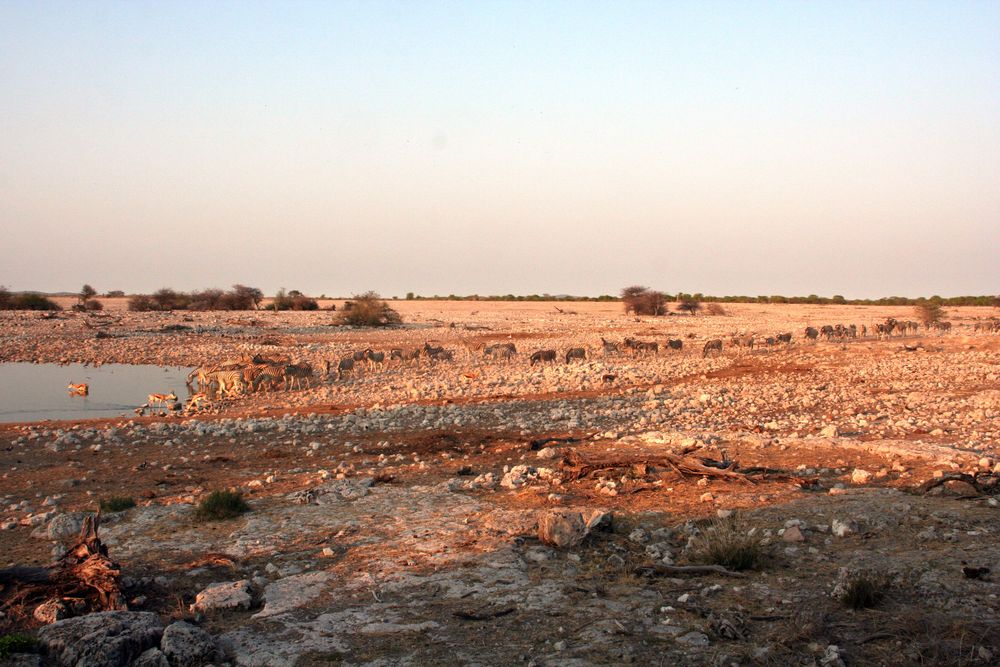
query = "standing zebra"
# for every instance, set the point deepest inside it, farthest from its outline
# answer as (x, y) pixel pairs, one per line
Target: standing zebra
(715, 344)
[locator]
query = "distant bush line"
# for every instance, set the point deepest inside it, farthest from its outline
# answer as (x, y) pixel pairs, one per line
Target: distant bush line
(682, 297)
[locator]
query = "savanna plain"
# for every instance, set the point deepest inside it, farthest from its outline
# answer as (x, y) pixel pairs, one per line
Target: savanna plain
(828, 500)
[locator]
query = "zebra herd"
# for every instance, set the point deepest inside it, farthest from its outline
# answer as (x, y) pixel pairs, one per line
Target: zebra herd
(250, 373)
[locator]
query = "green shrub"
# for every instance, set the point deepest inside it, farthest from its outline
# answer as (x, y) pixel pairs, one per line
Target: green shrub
(17, 643)
(221, 505)
(116, 504)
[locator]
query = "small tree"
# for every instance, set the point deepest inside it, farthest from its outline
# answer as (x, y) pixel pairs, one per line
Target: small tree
(689, 305)
(928, 313)
(86, 292)
(644, 301)
(368, 310)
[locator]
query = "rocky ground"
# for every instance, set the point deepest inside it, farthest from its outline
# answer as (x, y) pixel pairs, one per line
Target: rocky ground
(415, 514)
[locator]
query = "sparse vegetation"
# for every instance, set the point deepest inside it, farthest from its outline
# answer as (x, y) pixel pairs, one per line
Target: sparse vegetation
(727, 543)
(368, 310)
(221, 505)
(25, 301)
(716, 309)
(240, 297)
(864, 590)
(928, 313)
(17, 643)
(644, 301)
(689, 305)
(116, 503)
(293, 300)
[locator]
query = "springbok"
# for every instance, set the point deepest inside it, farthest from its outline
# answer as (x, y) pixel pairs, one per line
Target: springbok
(81, 389)
(161, 399)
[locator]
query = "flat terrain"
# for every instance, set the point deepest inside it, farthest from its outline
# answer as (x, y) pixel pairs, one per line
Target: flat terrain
(395, 510)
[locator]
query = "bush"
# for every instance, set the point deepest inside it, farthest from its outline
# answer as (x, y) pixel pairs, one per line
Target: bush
(141, 303)
(116, 504)
(716, 309)
(863, 591)
(928, 313)
(167, 299)
(294, 300)
(644, 301)
(115, 293)
(689, 305)
(725, 543)
(17, 643)
(221, 505)
(26, 301)
(368, 310)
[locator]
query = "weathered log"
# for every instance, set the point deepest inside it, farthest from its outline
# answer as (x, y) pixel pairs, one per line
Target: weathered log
(574, 468)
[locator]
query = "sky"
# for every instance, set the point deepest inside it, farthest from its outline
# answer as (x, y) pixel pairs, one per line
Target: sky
(577, 147)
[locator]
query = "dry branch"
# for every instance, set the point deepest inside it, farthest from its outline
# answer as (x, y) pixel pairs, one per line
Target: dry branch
(575, 468)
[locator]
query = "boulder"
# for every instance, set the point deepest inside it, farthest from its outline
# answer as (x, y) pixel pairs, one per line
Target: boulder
(568, 528)
(225, 595)
(152, 658)
(186, 645)
(104, 639)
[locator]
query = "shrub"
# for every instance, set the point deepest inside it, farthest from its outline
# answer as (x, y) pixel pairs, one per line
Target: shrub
(28, 301)
(689, 305)
(928, 313)
(141, 303)
(115, 293)
(167, 299)
(17, 643)
(116, 504)
(368, 310)
(725, 543)
(294, 300)
(716, 309)
(644, 301)
(221, 505)
(863, 591)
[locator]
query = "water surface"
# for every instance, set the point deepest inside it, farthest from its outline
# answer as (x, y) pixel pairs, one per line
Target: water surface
(33, 392)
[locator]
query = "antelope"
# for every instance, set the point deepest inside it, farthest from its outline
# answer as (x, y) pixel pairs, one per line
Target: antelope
(610, 347)
(715, 344)
(81, 389)
(161, 399)
(197, 401)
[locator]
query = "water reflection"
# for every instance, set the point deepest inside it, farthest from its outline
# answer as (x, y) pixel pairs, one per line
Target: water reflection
(32, 392)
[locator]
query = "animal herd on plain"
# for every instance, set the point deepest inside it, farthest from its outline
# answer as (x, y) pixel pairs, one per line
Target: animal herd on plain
(255, 373)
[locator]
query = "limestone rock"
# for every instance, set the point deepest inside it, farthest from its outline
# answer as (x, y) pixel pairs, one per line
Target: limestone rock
(226, 595)
(104, 639)
(186, 645)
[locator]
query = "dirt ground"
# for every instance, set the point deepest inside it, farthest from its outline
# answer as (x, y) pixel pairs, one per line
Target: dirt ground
(394, 511)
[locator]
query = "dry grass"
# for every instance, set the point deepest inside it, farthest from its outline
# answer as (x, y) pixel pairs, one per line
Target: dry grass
(221, 505)
(726, 542)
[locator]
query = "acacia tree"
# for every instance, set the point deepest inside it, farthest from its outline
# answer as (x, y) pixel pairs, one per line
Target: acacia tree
(644, 301)
(689, 305)
(928, 313)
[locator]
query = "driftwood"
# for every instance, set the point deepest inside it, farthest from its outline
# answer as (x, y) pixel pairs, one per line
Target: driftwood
(696, 570)
(85, 572)
(575, 468)
(951, 477)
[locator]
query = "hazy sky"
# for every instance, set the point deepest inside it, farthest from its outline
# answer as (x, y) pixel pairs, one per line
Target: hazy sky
(491, 147)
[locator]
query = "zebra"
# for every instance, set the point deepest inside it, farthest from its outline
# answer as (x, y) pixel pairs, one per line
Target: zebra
(715, 344)
(575, 353)
(373, 358)
(812, 333)
(295, 373)
(229, 381)
(502, 350)
(345, 365)
(785, 338)
(543, 356)
(609, 347)
(675, 344)
(266, 375)
(746, 341)
(401, 355)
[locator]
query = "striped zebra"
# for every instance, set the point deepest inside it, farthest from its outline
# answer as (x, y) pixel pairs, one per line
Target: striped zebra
(269, 376)
(296, 373)
(229, 381)
(715, 344)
